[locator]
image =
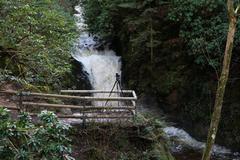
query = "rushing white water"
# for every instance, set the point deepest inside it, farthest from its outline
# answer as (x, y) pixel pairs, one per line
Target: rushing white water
(184, 140)
(101, 66)
(180, 140)
(183, 136)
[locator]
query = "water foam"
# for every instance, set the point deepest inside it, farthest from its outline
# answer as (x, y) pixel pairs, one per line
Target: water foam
(185, 140)
(101, 66)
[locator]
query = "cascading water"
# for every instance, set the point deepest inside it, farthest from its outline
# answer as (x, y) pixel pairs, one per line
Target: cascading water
(102, 66)
(182, 141)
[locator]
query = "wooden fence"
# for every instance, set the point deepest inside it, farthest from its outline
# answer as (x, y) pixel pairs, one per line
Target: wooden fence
(92, 105)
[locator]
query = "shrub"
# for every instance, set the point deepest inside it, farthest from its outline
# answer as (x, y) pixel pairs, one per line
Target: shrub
(22, 139)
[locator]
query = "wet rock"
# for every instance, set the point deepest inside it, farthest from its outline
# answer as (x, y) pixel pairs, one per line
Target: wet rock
(81, 80)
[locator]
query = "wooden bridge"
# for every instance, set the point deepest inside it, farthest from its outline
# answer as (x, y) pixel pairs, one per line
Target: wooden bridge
(84, 105)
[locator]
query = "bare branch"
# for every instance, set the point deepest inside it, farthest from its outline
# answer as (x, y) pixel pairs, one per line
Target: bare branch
(237, 9)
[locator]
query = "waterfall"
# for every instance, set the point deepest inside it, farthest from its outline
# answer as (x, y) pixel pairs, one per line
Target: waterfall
(101, 66)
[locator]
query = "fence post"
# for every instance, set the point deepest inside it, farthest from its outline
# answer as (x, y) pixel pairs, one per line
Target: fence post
(20, 103)
(84, 118)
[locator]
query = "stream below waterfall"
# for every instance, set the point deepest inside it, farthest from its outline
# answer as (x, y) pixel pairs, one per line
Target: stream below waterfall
(102, 66)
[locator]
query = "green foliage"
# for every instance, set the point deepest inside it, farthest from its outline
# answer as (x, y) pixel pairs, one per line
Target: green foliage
(103, 17)
(36, 38)
(99, 15)
(152, 131)
(138, 27)
(24, 140)
(156, 37)
(203, 26)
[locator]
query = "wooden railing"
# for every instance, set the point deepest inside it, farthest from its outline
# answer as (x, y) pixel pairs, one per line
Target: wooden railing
(122, 105)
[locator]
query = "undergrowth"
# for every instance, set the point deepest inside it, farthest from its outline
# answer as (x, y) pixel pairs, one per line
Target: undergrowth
(21, 139)
(141, 140)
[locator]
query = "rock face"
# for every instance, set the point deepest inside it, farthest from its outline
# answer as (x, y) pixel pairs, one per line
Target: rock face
(81, 80)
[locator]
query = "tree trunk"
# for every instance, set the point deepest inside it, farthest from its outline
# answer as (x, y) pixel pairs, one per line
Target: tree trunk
(151, 40)
(222, 82)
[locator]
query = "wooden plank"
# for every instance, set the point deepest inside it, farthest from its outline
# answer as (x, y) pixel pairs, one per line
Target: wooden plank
(134, 111)
(73, 97)
(94, 91)
(94, 117)
(8, 92)
(134, 94)
(85, 97)
(88, 117)
(108, 112)
(133, 103)
(76, 107)
(11, 108)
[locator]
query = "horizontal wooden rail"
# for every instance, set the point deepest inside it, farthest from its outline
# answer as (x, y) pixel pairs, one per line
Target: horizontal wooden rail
(86, 113)
(11, 108)
(95, 91)
(107, 112)
(75, 107)
(73, 97)
(88, 117)
(94, 117)
(8, 92)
